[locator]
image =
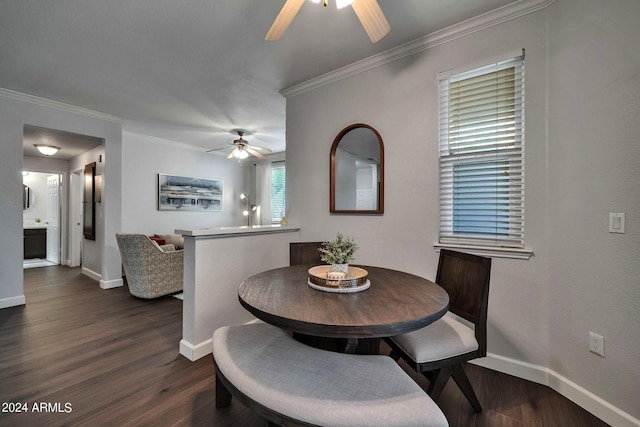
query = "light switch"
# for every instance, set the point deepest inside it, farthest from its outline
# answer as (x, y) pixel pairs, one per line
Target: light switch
(616, 222)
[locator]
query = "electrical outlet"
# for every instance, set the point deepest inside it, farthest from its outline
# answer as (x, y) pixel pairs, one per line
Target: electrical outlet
(596, 344)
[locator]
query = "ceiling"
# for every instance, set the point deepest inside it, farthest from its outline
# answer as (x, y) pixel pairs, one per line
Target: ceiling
(192, 71)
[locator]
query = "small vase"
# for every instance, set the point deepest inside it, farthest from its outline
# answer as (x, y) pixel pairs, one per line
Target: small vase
(342, 268)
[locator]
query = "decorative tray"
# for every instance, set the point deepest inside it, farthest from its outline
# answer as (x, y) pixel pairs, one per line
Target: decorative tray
(354, 281)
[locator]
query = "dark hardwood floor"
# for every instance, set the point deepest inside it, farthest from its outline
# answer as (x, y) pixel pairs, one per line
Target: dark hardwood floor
(104, 358)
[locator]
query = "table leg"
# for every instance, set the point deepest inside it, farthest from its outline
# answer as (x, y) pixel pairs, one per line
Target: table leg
(352, 344)
(341, 345)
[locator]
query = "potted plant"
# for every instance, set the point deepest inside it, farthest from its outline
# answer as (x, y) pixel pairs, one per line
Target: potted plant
(339, 253)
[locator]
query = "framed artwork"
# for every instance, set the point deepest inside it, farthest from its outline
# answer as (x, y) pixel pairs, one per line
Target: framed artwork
(181, 193)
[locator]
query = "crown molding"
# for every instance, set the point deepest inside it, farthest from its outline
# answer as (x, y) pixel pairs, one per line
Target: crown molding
(453, 32)
(19, 96)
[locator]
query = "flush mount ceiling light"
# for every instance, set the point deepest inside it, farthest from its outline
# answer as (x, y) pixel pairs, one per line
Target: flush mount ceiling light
(47, 150)
(367, 11)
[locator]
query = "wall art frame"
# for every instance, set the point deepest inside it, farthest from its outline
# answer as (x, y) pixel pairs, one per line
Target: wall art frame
(182, 193)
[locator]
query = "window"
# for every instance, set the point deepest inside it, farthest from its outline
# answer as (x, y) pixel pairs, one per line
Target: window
(278, 200)
(481, 143)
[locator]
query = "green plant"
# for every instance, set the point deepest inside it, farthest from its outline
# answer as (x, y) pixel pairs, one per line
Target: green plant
(38, 219)
(339, 251)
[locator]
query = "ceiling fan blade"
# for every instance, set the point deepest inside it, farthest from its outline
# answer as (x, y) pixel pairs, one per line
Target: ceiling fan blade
(284, 18)
(217, 149)
(232, 153)
(372, 18)
(255, 147)
(255, 153)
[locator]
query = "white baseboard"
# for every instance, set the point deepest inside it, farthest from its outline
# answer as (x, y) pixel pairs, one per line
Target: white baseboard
(91, 273)
(195, 352)
(572, 391)
(104, 284)
(12, 302)
(110, 284)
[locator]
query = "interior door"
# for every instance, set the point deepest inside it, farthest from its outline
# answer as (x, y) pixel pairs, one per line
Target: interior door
(75, 226)
(53, 218)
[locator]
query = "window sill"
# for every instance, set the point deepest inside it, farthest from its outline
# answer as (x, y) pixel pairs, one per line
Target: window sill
(488, 251)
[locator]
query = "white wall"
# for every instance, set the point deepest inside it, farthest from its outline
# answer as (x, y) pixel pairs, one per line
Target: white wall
(143, 158)
(582, 161)
(215, 265)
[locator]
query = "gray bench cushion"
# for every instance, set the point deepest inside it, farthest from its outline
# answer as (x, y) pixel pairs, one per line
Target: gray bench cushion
(317, 386)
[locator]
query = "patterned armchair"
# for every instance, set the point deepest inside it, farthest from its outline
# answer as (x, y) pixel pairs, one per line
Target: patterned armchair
(151, 270)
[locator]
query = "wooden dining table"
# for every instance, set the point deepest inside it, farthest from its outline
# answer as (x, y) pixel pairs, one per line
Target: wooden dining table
(396, 302)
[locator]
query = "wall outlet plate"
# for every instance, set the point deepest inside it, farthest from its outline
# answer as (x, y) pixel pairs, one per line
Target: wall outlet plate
(596, 344)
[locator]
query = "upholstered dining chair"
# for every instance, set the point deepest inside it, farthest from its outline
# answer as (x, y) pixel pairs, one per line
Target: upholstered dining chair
(304, 253)
(441, 349)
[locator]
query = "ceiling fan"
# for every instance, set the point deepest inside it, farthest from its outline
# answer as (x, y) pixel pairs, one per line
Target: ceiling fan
(243, 148)
(368, 12)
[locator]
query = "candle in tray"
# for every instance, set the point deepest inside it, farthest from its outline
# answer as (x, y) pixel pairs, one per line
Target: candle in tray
(336, 275)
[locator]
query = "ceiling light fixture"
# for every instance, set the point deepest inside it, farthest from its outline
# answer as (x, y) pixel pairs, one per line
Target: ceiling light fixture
(243, 148)
(240, 153)
(339, 3)
(343, 3)
(368, 12)
(47, 150)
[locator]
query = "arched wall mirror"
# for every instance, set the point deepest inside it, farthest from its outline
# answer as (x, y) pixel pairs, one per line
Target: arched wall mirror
(28, 197)
(357, 171)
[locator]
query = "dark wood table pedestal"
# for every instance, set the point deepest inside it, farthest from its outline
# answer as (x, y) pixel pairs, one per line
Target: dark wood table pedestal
(341, 345)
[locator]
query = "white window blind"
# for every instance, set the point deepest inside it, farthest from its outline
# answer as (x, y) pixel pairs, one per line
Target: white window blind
(481, 146)
(278, 205)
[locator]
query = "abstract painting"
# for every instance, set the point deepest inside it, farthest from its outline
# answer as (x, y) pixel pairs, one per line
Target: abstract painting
(181, 193)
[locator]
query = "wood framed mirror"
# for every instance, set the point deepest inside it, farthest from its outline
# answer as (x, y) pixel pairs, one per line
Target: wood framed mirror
(357, 171)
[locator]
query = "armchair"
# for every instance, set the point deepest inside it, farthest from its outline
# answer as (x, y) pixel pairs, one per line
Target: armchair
(151, 270)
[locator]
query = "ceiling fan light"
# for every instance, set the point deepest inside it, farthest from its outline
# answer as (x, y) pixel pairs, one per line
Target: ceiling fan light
(240, 154)
(47, 150)
(342, 3)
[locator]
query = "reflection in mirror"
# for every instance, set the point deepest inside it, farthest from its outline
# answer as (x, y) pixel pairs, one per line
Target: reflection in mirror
(28, 197)
(357, 171)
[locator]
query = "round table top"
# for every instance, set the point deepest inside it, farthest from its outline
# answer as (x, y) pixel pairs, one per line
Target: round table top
(396, 303)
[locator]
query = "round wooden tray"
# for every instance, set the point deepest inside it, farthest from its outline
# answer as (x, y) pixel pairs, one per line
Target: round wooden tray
(356, 277)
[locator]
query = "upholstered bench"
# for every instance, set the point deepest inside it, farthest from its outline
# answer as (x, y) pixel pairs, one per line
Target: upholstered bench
(290, 383)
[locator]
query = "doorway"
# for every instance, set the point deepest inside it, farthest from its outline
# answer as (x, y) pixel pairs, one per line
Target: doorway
(41, 219)
(75, 228)
(59, 196)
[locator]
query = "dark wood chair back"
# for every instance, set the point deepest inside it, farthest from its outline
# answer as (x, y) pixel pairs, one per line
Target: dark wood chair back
(304, 253)
(465, 277)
